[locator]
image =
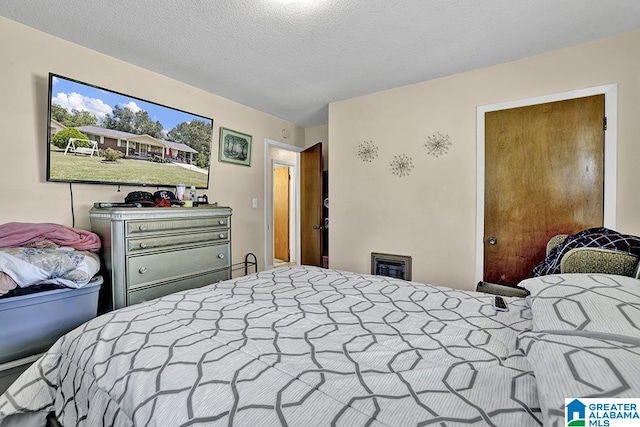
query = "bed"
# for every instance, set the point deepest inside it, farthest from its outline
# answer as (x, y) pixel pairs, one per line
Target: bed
(305, 346)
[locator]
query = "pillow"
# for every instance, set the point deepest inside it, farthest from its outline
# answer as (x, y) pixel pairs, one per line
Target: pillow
(601, 303)
(580, 366)
(585, 340)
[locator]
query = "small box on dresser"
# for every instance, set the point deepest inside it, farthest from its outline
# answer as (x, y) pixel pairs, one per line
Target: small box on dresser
(151, 252)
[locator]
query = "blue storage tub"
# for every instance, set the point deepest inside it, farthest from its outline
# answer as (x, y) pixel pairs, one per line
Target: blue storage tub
(32, 323)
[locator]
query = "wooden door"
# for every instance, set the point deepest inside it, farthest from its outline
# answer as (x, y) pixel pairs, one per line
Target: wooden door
(544, 175)
(311, 205)
(281, 213)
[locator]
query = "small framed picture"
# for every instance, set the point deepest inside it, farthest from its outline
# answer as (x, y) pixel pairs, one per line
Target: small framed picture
(235, 147)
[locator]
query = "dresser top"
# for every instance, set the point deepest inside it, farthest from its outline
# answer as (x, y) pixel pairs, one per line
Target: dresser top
(158, 213)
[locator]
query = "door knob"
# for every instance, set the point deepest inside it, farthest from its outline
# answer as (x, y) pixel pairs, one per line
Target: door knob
(492, 240)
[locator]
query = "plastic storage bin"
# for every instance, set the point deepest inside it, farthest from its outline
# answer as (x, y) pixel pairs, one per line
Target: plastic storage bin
(32, 323)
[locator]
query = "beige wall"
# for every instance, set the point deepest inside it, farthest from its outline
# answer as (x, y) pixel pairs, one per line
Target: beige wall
(431, 213)
(27, 58)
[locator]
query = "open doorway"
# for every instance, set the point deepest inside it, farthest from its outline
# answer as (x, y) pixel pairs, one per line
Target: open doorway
(284, 213)
(279, 155)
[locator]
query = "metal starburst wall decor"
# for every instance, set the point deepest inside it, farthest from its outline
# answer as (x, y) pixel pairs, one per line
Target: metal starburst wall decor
(437, 144)
(367, 151)
(401, 165)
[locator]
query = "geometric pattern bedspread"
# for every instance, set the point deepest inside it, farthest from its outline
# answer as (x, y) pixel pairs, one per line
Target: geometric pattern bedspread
(307, 346)
(296, 346)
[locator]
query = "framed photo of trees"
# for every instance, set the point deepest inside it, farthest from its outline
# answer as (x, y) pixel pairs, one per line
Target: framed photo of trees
(235, 147)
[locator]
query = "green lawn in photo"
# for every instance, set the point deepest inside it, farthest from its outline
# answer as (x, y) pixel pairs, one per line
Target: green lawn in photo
(80, 167)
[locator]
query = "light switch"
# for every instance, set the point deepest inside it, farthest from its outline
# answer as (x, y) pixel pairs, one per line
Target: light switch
(254, 203)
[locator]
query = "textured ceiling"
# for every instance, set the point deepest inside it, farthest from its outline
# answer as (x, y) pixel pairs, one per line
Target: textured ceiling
(291, 60)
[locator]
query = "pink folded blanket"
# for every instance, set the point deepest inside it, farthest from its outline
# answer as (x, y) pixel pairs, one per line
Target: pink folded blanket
(16, 234)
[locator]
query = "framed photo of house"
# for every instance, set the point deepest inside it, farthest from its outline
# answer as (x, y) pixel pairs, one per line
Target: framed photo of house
(390, 265)
(235, 147)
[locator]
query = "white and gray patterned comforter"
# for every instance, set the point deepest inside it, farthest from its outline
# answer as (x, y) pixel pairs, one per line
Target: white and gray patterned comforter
(306, 346)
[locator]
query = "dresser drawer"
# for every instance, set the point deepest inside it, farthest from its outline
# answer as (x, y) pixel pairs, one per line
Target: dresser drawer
(153, 292)
(145, 243)
(137, 227)
(144, 270)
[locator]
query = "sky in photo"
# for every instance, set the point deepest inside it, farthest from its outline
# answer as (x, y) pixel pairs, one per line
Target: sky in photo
(100, 102)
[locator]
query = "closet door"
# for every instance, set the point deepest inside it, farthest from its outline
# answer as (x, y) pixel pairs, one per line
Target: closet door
(544, 175)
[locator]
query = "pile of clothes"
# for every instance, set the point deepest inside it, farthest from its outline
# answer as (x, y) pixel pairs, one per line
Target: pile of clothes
(32, 254)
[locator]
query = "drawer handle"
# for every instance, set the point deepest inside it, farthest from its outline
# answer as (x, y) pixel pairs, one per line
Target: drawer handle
(143, 270)
(221, 235)
(143, 245)
(220, 256)
(142, 227)
(221, 222)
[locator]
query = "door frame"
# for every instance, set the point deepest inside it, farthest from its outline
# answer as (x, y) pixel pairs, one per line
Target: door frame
(268, 200)
(610, 92)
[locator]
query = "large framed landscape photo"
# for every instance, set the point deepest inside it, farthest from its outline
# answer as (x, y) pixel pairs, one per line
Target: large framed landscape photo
(100, 136)
(235, 147)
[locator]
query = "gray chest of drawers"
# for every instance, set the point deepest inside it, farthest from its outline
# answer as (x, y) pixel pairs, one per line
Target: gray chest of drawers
(151, 252)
